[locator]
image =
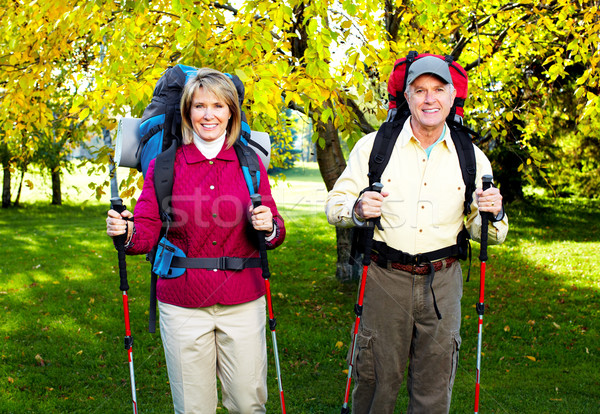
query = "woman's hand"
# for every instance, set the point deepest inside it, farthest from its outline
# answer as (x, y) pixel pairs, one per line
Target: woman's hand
(116, 225)
(262, 219)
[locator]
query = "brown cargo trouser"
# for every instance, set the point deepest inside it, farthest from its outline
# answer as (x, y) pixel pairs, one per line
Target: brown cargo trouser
(399, 324)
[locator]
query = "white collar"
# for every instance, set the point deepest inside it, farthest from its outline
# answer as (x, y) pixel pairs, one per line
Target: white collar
(210, 149)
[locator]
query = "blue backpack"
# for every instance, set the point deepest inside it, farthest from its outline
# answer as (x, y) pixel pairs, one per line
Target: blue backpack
(160, 136)
(160, 128)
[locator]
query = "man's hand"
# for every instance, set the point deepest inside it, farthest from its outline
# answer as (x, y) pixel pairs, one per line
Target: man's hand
(369, 206)
(489, 200)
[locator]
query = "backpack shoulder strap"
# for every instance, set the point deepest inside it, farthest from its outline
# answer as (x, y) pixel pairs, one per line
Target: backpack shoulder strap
(163, 180)
(382, 148)
(163, 187)
(383, 145)
(250, 166)
(461, 136)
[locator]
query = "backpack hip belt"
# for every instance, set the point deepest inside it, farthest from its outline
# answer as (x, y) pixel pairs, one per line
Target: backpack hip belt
(386, 254)
(220, 263)
(170, 261)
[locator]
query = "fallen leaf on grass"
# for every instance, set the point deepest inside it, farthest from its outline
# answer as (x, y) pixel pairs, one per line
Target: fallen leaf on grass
(11, 380)
(530, 357)
(507, 328)
(40, 360)
(339, 344)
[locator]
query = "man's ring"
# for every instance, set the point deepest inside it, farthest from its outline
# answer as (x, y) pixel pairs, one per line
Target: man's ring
(492, 203)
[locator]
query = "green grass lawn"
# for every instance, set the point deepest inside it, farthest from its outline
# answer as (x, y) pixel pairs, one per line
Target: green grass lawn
(62, 318)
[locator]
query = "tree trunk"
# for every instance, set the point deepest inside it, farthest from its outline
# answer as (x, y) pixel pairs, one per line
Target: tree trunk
(331, 165)
(56, 194)
(6, 186)
(506, 161)
(18, 198)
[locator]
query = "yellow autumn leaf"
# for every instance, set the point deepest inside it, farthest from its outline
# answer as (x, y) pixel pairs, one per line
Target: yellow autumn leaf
(530, 357)
(339, 344)
(242, 75)
(507, 328)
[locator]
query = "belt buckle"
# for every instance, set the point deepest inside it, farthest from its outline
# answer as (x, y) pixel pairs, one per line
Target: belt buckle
(222, 263)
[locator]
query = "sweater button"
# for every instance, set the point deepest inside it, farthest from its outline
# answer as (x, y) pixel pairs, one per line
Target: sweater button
(212, 187)
(211, 162)
(214, 242)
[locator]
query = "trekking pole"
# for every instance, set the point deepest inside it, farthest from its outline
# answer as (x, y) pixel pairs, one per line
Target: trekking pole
(256, 201)
(480, 307)
(117, 205)
(359, 304)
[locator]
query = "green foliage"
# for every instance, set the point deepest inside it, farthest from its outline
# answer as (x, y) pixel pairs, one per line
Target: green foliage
(328, 59)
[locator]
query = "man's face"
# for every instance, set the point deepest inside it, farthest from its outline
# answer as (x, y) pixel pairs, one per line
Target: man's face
(429, 100)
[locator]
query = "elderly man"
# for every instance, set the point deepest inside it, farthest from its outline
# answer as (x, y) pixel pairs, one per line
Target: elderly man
(411, 312)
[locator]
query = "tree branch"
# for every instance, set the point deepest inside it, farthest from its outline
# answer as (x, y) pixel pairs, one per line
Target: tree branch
(365, 126)
(226, 6)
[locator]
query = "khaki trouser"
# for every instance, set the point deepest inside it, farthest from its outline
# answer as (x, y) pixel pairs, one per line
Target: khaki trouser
(399, 324)
(228, 341)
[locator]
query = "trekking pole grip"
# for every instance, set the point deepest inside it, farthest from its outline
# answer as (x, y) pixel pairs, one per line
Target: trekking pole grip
(486, 182)
(262, 246)
(117, 204)
(377, 187)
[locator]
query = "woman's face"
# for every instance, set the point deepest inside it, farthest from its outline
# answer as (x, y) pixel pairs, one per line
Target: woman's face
(209, 115)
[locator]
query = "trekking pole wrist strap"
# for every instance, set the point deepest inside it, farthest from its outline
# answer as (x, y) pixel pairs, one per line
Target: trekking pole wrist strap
(497, 217)
(355, 218)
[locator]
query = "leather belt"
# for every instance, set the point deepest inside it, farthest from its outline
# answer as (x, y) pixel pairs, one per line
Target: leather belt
(423, 269)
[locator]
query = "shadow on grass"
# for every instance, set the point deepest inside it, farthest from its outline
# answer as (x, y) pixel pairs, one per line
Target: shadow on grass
(551, 220)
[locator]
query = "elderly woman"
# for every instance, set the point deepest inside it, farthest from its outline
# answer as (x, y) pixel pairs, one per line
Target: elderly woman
(212, 321)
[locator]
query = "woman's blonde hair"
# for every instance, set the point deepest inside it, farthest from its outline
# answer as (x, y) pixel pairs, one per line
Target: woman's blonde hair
(223, 88)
